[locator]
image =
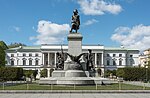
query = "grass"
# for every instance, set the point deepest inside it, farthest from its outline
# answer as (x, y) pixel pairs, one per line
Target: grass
(61, 87)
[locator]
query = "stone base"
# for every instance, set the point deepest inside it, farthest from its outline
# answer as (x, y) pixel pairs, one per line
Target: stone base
(74, 81)
(70, 73)
(58, 73)
(75, 73)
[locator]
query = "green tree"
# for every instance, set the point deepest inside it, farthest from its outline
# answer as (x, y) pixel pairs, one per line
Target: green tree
(3, 47)
(13, 45)
(10, 73)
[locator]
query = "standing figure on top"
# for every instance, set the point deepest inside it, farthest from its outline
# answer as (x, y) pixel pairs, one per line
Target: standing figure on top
(75, 21)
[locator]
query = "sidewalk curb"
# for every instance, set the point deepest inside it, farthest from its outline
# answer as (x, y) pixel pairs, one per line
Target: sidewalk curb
(74, 91)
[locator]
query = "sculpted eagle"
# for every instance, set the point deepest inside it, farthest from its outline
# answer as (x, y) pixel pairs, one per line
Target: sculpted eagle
(75, 58)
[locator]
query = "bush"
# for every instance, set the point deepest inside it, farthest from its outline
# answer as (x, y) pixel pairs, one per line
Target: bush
(133, 74)
(110, 72)
(10, 73)
(30, 73)
(43, 73)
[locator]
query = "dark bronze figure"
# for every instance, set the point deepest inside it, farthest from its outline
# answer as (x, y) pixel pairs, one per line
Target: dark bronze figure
(60, 61)
(75, 21)
(89, 65)
(75, 58)
(60, 58)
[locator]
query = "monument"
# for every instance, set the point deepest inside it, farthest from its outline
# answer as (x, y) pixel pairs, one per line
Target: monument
(74, 70)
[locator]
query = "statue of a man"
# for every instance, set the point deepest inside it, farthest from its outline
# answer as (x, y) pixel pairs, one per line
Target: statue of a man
(75, 21)
(60, 62)
(90, 65)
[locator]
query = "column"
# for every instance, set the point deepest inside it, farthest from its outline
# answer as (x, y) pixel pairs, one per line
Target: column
(48, 60)
(42, 58)
(102, 65)
(55, 59)
(95, 59)
(39, 75)
(102, 60)
(48, 72)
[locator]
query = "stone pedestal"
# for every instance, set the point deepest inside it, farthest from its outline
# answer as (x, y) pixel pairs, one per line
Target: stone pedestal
(75, 44)
(75, 49)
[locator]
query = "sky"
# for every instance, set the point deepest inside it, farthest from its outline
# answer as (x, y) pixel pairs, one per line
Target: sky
(106, 22)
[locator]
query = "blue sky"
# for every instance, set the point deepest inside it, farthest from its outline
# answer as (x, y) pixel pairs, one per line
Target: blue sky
(106, 22)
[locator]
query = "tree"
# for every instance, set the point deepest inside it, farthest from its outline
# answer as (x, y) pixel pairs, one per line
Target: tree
(13, 45)
(3, 47)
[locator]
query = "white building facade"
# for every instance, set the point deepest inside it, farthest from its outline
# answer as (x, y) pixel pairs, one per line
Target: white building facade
(44, 56)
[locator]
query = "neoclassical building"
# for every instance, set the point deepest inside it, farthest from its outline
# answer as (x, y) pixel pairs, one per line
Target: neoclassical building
(44, 56)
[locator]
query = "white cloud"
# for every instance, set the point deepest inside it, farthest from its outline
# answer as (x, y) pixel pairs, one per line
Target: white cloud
(89, 22)
(98, 7)
(15, 28)
(50, 33)
(135, 37)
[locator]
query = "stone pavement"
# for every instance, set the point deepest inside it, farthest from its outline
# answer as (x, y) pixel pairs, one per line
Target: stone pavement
(76, 95)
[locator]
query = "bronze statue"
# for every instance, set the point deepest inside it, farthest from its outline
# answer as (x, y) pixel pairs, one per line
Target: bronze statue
(90, 65)
(60, 61)
(60, 58)
(75, 58)
(75, 21)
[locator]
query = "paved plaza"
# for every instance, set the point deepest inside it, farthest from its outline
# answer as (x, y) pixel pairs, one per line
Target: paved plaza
(76, 95)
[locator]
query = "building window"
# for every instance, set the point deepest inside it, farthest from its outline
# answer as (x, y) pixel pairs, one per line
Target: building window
(24, 54)
(36, 62)
(24, 61)
(30, 54)
(108, 55)
(36, 54)
(114, 62)
(120, 55)
(98, 58)
(30, 61)
(17, 61)
(114, 55)
(12, 62)
(131, 62)
(46, 62)
(120, 62)
(131, 56)
(108, 62)
(12, 55)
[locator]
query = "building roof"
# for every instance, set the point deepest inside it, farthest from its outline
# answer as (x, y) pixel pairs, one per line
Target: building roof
(120, 48)
(24, 49)
(64, 46)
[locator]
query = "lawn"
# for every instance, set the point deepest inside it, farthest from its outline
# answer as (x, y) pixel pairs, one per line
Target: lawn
(73, 87)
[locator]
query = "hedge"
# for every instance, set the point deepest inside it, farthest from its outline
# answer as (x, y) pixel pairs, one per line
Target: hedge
(110, 72)
(133, 73)
(10, 73)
